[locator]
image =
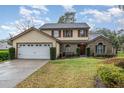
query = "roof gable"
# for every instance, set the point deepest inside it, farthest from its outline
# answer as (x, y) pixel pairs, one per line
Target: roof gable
(99, 37)
(33, 29)
(22, 33)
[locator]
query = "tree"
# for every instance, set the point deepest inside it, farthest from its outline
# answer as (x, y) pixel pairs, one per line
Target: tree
(121, 39)
(24, 24)
(68, 17)
(61, 19)
(115, 36)
(121, 7)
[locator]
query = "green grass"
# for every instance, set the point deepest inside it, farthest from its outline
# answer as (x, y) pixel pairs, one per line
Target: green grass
(1, 51)
(120, 54)
(64, 73)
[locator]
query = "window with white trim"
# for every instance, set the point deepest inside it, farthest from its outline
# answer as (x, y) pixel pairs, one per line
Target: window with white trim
(67, 33)
(81, 33)
(56, 33)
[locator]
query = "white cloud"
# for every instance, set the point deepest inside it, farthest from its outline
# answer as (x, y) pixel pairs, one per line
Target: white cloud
(103, 16)
(5, 27)
(8, 28)
(38, 22)
(25, 12)
(69, 8)
(33, 13)
(36, 12)
(98, 16)
(41, 8)
(29, 16)
(115, 12)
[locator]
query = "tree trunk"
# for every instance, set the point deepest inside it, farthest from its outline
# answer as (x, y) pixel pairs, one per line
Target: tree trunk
(116, 51)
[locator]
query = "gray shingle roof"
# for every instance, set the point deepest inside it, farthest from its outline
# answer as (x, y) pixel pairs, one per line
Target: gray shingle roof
(93, 36)
(64, 25)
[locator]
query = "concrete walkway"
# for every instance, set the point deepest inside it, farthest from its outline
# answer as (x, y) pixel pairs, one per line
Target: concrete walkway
(13, 72)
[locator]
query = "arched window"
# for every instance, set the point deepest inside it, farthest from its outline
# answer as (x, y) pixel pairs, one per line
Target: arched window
(67, 48)
(100, 48)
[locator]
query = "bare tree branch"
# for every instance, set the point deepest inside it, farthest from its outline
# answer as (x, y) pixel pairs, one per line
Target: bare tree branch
(25, 24)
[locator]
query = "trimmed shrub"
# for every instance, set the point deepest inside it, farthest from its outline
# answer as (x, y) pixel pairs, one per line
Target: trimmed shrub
(4, 56)
(52, 53)
(88, 52)
(11, 53)
(78, 51)
(112, 77)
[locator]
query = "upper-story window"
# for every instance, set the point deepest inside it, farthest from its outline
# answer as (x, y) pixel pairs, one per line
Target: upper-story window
(82, 33)
(56, 33)
(67, 33)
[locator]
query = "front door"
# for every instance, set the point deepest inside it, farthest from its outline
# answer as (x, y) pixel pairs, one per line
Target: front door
(82, 49)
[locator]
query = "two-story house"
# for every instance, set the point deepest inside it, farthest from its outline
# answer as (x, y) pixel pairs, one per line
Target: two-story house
(66, 37)
(71, 35)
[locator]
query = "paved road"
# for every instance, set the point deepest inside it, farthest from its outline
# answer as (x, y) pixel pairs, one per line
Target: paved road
(13, 72)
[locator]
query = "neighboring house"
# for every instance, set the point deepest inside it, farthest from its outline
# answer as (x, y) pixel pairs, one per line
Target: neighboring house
(35, 43)
(4, 46)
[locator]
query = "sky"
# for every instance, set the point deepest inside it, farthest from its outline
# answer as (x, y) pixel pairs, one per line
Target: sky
(12, 16)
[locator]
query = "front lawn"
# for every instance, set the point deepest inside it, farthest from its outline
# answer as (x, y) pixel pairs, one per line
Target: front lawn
(4, 51)
(64, 73)
(4, 55)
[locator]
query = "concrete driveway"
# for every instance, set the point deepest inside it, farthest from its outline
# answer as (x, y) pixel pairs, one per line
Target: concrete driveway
(13, 72)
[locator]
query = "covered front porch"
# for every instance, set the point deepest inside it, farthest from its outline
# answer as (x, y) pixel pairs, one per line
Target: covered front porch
(70, 49)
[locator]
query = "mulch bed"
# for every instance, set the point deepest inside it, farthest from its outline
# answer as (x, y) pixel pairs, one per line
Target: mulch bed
(98, 83)
(113, 60)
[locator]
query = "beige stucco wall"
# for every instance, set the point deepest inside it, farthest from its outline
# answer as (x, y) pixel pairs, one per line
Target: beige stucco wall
(48, 31)
(109, 50)
(57, 49)
(36, 37)
(75, 35)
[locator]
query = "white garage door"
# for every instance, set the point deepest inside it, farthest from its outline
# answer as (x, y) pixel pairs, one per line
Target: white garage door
(34, 51)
